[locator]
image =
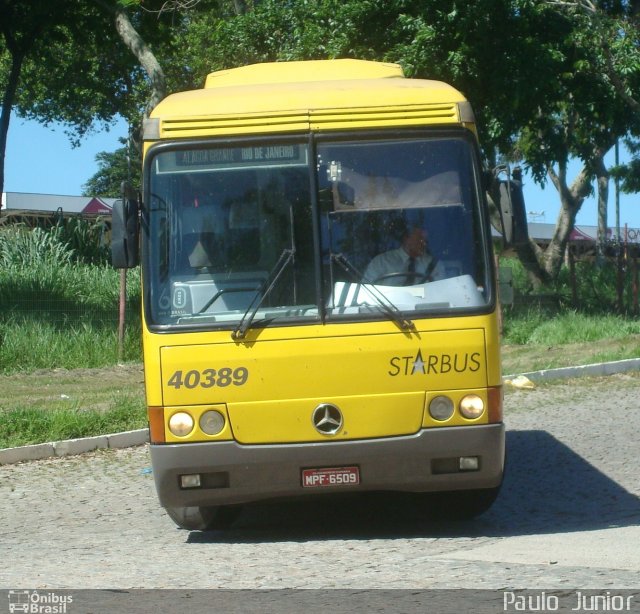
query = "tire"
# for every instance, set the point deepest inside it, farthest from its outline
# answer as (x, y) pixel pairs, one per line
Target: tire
(204, 518)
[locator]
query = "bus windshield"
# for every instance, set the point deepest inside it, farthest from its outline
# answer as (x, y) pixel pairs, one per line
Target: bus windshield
(277, 233)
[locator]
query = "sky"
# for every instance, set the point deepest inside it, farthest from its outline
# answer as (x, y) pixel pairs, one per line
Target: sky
(41, 160)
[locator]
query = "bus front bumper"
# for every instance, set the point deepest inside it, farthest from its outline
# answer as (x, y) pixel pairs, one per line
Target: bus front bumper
(231, 473)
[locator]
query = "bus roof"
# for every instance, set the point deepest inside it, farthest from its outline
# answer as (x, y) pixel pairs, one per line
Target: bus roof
(308, 95)
(302, 72)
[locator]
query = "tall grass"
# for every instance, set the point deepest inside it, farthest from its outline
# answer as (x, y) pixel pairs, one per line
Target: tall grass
(27, 344)
(57, 309)
(594, 289)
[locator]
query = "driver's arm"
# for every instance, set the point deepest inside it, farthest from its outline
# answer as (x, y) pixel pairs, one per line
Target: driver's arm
(374, 270)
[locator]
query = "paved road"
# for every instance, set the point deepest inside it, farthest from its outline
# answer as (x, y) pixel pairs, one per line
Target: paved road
(568, 517)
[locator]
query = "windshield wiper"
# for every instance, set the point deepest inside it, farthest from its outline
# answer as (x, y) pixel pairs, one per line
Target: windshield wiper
(383, 302)
(240, 331)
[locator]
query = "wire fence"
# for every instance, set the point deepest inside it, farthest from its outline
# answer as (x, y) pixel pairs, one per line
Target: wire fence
(585, 283)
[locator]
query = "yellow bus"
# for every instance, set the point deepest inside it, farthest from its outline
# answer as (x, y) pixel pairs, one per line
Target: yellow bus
(319, 295)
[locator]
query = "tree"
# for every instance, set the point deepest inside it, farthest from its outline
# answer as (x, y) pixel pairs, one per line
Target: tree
(594, 106)
(544, 88)
(113, 168)
(531, 71)
(615, 27)
(142, 52)
(64, 61)
(23, 26)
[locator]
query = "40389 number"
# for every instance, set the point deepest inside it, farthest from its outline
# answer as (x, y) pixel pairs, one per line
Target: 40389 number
(226, 376)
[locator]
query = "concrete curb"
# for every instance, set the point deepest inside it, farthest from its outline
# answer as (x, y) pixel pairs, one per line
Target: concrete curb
(73, 446)
(141, 436)
(600, 369)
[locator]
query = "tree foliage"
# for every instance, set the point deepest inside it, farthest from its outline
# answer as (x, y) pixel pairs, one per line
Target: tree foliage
(64, 61)
(113, 168)
(27, 30)
(550, 80)
(486, 48)
(543, 77)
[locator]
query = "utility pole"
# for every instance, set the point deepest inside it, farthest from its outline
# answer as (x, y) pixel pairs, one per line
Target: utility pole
(616, 183)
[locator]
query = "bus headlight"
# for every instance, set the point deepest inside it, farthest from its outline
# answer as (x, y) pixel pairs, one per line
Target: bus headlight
(212, 422)
(441, 408)
(471, 406)
(181, 424)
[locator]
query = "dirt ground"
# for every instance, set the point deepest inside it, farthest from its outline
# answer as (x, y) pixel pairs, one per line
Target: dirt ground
(85, 388)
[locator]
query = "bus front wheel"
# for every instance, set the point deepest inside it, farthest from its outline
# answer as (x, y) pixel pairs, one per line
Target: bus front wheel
(204, 518)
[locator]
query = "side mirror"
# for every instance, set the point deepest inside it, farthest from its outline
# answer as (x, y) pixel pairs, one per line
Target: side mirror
(512, 208)
(124, 230)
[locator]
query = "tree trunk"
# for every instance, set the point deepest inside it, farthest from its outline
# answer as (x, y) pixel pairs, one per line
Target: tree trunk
(144, 55)
(17, 57)
(571, 199)
(528, 254)
(240, 6)
(602, 176)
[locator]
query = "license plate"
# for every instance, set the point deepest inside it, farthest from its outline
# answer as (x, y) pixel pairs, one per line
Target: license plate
(330, 476)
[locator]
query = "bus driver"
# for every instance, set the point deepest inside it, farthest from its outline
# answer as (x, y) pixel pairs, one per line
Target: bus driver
(411, 263)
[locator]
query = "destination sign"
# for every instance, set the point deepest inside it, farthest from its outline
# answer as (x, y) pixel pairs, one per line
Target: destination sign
(225, 158)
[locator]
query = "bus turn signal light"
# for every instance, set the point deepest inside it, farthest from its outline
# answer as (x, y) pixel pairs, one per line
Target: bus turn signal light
(495, 396)
(441, 408)
(156, 424)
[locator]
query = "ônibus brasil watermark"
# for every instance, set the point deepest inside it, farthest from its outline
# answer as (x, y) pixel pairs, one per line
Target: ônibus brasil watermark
(38, 602)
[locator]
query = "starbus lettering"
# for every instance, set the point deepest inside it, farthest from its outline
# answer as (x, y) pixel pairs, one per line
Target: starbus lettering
(434, 364)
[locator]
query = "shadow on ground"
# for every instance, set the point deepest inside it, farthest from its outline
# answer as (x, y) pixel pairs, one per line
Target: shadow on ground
(548, 488)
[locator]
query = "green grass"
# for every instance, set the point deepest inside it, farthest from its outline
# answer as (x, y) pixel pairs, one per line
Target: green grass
(28, 425)
(28, 345)
(536, 338)
(58, 311)
(542, 328)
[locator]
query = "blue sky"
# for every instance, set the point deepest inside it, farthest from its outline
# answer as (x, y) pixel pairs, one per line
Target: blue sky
(41, 160)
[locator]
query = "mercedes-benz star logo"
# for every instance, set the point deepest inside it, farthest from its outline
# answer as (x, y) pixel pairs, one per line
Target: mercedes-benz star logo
(327, 419)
